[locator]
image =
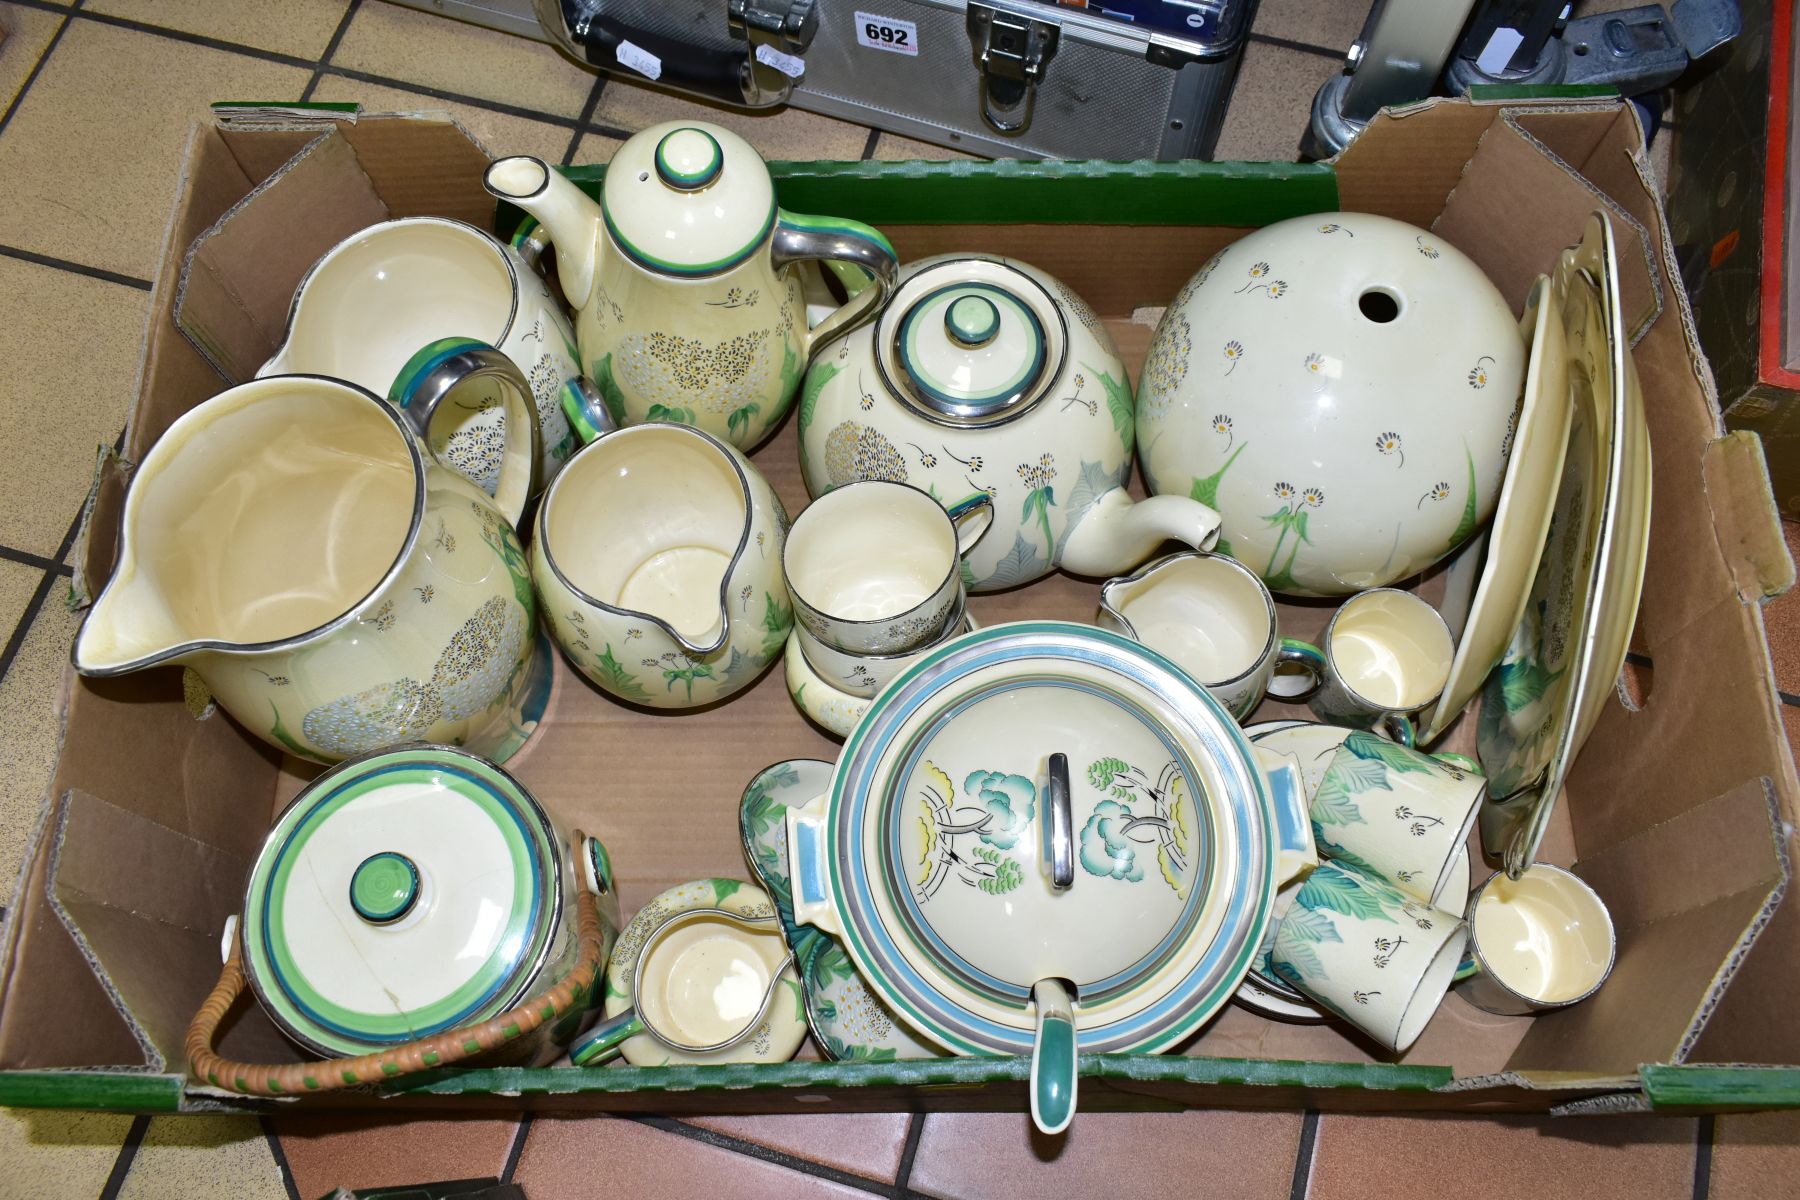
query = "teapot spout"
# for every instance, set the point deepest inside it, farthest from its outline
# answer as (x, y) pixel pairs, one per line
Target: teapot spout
(1117, 533)
(573, 220)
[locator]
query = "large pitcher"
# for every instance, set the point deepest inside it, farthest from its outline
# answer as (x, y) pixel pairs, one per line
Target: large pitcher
(687, 306)
(338, 589)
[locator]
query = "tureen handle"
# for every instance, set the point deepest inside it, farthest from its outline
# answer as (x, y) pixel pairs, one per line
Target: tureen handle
(1286, 785)
(810, 873)
(1059, 853)
(1053, 1061)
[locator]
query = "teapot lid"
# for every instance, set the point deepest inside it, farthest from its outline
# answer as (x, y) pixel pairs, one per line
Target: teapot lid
(403, 893)
(687, 198)
(971, 342)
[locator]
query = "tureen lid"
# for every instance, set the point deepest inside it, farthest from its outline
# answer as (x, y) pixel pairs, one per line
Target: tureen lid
(939, 828)
(687, 198)
(403, 893)
(970, 341)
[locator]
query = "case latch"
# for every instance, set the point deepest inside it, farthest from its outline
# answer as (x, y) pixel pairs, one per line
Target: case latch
(1012, 51)
(786, 28)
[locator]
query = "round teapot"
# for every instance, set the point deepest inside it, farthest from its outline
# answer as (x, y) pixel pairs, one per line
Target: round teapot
(1343, 389)
(688, 306)
(987, 375)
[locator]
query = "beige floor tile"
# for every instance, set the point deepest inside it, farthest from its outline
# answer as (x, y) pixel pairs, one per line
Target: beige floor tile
(52, 1153)
(86, 177)
(1330, 23)
(596, 148)
(184, 1157)
(17, 583)
(786, 133)
(302, 28)
(28, 31)
(31, 731)
(1271, 104)
(501, 133)
(892, 145)
(454, 56)
(61, 403)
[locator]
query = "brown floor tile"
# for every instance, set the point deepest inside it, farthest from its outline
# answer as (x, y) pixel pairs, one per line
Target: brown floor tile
(1782, 618)
(51, 1153)
(1218, 1153)
(184, 1157)
(500, 133)
(865, 1144)
(28, 31)
(17, 583)
(1272, 103)
(1333, 24)
(31, 729)
(1505, 1158)
(302, 28)
(90, 179)
(1755, 1156)
(596, 148)
(324, 1152)
(575, 1158)
(72, 358)
(892, 146)
(454, 56)
(786, 133)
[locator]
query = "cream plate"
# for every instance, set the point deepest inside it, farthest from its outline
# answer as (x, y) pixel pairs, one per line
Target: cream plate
(1522, 519)
(1542, 702)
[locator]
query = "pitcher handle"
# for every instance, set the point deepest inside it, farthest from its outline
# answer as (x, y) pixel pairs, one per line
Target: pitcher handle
(438, 370)
(835, 240)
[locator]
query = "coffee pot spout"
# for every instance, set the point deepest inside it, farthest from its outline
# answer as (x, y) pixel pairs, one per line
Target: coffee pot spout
(1118, 533)
(564, 210)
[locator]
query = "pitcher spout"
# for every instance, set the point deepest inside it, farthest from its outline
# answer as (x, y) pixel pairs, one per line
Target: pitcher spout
(573, 220)
(127, 629)
(1117, 533)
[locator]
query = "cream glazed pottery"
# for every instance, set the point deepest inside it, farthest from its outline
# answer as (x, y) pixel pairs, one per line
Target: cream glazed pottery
(657, 556)
(412, 892)
(1343, 389)
(405, 297)
(985, 375)
(684, 279)
(337, 588)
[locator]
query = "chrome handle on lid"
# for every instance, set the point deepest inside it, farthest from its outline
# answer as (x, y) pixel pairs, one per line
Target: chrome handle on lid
(1062, 825)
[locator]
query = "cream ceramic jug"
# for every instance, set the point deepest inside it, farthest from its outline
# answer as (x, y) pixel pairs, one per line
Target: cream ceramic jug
(337, 588)
(683, 279)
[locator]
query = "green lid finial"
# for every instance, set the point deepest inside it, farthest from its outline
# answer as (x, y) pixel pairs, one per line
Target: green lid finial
(688, 159)
(972, 320)
(384, 887)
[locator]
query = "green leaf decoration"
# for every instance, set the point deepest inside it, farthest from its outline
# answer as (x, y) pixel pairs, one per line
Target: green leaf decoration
(832, 966)
(827, 1012)
(1375, 748)
(724, 889)
(967, 572)
(621, 681)
(987, 854)
(1338, 892)
(1346, 778)
(1092, 482)
(1119, 406)
(1309, 925)
(1020, 565)
(1302, 963)
(280, 733)
(741, 417)
(1102, 773)
(1331, 850)
(687, 675)
(1466, 526)
(791, 367)
(816, 379)
(610, 394)
(777, 622)
(1223, 546)
(1206, 491)
(1523, 683)
(664, 412)
(1007, 876)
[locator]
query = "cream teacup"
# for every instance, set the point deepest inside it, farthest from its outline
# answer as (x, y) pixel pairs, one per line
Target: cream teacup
(1377, 957)
(876, 567)
(1541, 941)
(1209, 614)
(865, 674)
(1385, 655)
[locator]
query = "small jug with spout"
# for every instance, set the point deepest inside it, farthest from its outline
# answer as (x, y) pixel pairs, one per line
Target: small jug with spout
(337, 588)
(683, 278)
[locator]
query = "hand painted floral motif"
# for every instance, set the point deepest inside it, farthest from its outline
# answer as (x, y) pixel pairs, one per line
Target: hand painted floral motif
(1084, 312)
(927, 459)
(388, 713)
(1040, 495)
(1167, 364)
(1334, 227)
(1425, 247)
(476, 449)
(1092, 406)
(737, 298)
(382, 618)
(1197, 282)
(677, 372)
(1290, 518)
(1221, 425)
(1478, 374)
(998, 812)
(677, 667)
(482, 659)
(1166, 824)
(1258, 273)
(1234, 351)
(1315, 363)
(1439, 491)
(1388, 443)
(619, 680)
(1106, 851)
(854, 452)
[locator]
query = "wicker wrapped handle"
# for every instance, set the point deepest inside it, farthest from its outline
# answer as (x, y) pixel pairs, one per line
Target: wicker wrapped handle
(440, 1050)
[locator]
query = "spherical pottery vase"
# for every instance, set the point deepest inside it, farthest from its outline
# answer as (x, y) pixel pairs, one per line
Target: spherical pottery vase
(1342, 388)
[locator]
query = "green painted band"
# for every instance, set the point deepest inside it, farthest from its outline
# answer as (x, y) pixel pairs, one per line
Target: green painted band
(689, 181)
(428, 358)
(810, 223)
(1053, 1073)
(384, 887)
(644, 258)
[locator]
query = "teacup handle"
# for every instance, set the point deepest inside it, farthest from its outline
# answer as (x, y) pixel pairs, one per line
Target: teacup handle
(602, 1042)
(438, 370)
(1297, 685)
(972, 517)
(1399, 729)
(1059, 830)
(837, 242)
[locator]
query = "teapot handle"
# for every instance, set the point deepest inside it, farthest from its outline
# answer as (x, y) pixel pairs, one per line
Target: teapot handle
(835, 240)
(445, 366)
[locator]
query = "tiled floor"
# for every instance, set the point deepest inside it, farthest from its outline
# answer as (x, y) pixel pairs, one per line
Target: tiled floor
(95, 99)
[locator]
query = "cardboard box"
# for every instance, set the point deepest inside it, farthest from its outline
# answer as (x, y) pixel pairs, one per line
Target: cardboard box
(1679, 811)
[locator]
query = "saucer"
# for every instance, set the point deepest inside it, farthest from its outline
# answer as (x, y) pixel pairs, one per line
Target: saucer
(832, 709)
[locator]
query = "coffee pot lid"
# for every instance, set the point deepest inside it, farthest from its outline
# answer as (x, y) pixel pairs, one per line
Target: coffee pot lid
(971, 342)
(402, 894)
(687, 198)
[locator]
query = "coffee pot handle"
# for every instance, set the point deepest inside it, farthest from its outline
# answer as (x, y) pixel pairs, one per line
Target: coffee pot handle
(839, 243)
(441, 371)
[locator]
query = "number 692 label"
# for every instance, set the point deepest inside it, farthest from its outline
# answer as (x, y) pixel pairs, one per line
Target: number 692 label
(886, 33)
